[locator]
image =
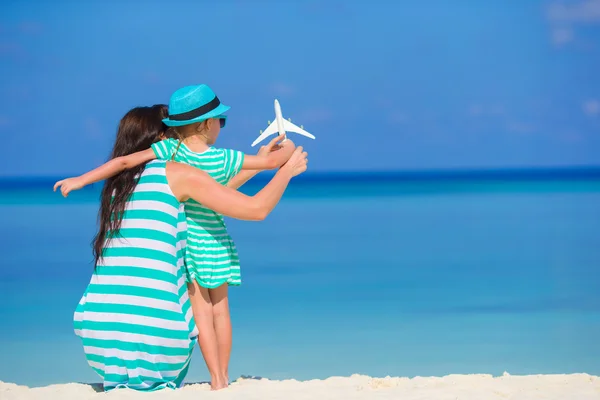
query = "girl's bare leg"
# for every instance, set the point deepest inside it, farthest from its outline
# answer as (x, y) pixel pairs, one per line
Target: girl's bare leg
(203, 315)
(222, 324)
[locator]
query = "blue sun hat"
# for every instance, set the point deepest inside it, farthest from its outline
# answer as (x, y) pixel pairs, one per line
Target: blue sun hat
(192, 104)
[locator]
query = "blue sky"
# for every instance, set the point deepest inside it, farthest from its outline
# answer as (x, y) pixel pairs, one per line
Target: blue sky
(383, 85)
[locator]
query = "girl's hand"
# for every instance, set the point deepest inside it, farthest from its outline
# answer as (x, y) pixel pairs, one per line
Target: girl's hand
(273, 146)
(68, 185)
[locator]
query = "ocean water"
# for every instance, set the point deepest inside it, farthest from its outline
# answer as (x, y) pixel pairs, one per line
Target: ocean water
(392, 276)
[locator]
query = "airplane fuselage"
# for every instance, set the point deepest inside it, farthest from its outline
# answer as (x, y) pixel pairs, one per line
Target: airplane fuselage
(279, 118)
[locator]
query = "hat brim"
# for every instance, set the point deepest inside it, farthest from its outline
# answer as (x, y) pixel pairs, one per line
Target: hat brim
(222, 108)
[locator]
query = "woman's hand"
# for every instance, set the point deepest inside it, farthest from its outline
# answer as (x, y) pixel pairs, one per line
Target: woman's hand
(297, 163)
(68, 185)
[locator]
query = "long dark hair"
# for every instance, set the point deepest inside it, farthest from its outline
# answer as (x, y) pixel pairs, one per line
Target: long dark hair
(138, 129)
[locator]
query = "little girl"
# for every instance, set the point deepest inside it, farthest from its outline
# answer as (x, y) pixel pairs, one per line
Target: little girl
(212, 263)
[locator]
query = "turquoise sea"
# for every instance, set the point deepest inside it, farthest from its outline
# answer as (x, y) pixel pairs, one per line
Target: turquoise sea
(390, 274)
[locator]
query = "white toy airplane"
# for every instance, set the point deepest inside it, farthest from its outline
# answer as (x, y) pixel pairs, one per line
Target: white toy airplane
(280, 125)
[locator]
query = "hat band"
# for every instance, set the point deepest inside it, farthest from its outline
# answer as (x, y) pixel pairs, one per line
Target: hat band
(196, 112)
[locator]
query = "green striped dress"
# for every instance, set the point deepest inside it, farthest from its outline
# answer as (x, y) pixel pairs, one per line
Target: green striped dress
(211, 257)
(135, 318)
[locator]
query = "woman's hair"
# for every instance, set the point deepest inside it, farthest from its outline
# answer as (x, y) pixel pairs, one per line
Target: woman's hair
(138, 129)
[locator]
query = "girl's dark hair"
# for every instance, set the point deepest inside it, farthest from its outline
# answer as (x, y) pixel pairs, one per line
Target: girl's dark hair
(138, 129)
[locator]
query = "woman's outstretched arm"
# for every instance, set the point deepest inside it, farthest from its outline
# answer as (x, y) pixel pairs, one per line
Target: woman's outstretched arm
(188, 182)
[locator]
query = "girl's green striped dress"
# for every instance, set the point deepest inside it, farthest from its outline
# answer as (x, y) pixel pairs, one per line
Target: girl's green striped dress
(211, 257)
(135, 318)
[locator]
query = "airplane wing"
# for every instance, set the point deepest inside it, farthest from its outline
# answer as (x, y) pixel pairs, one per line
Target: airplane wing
(289, 127)
(271, 129)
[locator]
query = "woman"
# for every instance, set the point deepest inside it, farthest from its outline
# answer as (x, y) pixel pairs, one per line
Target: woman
(134, 318)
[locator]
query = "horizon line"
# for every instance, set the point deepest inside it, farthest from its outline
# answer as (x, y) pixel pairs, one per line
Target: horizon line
(505, 173)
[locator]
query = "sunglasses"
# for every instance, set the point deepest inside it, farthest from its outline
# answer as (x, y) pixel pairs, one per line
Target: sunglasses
(222, 120)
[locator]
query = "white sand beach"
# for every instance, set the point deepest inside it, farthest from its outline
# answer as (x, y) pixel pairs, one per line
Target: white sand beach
(450, 387)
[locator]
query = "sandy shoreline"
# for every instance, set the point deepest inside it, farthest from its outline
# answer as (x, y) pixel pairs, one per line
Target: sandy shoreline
(450, 387)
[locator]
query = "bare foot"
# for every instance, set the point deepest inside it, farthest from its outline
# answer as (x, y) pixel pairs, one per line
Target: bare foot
(218, 384)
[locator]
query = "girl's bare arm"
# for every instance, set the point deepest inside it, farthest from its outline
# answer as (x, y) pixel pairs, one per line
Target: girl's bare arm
(105, 171)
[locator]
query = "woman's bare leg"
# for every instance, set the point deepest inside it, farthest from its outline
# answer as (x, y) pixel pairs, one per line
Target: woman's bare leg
(222, 323)
(203, 315)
